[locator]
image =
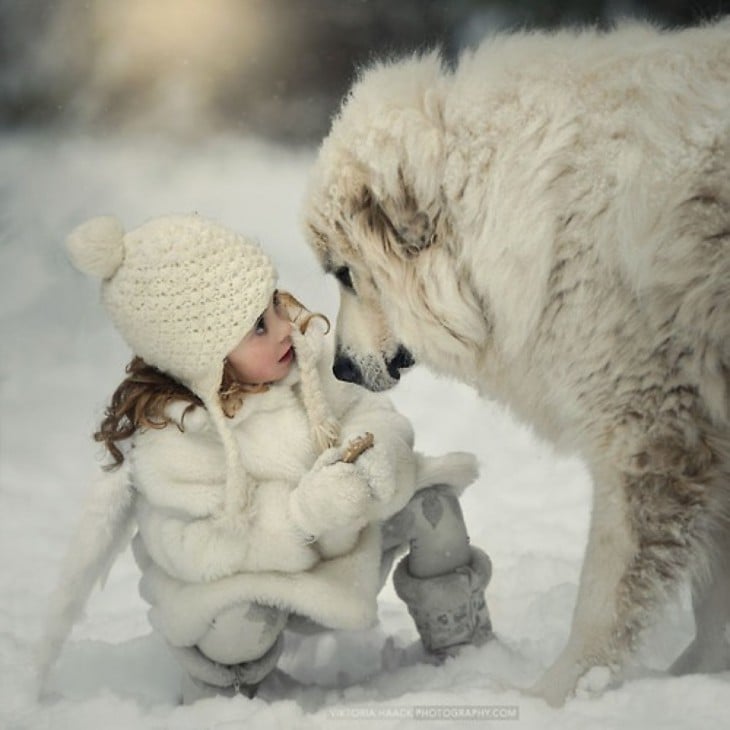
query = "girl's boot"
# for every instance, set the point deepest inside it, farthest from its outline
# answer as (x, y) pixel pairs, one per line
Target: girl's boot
(450, 609)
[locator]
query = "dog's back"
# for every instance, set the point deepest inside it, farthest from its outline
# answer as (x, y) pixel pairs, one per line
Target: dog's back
(612, 148)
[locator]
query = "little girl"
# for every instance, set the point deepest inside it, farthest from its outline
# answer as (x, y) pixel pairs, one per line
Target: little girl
(266, 495)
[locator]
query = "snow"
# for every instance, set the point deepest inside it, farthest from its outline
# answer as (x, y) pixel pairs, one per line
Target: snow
(60, 361)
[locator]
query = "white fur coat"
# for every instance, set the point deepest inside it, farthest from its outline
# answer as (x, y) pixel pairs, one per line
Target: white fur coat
(197, 560)
(195, 564)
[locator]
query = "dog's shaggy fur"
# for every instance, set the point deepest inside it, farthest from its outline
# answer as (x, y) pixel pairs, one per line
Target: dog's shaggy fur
(550, 222)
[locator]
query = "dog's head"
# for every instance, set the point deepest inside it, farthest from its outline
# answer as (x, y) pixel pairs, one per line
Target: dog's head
(377, 216)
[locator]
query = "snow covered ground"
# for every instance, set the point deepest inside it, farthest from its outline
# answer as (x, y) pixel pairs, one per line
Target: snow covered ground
(61, 360)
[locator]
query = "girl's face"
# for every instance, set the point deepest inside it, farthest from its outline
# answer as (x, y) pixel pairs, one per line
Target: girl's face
(265, 354)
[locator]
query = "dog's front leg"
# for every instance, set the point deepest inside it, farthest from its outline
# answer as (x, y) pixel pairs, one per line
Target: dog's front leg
(597, 638)
(710, 649)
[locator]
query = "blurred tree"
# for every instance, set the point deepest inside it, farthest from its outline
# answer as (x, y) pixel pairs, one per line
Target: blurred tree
(271, 67)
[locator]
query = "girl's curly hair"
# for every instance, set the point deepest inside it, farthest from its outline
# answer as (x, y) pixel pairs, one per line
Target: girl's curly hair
(141, 399)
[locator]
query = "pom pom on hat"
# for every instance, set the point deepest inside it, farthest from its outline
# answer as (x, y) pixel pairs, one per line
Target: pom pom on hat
(97, 246)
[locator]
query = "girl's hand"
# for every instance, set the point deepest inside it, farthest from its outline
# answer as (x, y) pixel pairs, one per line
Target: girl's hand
(332, 494)
(376, 468)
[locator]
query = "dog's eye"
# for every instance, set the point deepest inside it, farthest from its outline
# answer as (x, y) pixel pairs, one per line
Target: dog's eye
(343, 276)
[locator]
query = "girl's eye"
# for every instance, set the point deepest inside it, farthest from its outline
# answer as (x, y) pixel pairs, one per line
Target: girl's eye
(260, 327)
(343, 276)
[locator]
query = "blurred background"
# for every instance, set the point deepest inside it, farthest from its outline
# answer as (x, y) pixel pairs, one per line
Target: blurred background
(145, 107)
(273, 68)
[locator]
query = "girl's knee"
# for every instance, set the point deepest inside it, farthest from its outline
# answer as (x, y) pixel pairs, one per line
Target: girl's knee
(242, 633)
(437, 510)
(438, 535)
(437, 492)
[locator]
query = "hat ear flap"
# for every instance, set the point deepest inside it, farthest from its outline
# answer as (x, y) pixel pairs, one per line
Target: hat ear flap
(325, 428)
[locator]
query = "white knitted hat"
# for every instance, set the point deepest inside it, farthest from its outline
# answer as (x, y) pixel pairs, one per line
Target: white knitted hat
(182, 291)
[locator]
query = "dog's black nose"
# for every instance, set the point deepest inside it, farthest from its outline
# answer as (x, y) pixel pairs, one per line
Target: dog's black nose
(401, 360)
(345, 369)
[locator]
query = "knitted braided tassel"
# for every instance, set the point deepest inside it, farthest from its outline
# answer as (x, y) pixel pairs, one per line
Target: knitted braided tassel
(324, 426)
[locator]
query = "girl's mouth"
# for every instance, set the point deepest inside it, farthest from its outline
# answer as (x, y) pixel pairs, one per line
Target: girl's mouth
(287, 356)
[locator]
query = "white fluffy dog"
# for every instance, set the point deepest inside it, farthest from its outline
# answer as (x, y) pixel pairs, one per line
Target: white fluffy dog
(549, 221)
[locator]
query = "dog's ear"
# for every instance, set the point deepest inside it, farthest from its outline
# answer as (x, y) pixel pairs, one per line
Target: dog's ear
(387, 152)
(405, 171)
(400, 222)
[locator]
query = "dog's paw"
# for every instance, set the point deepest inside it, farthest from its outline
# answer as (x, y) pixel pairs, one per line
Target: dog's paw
(563, 681)
(594, 682)
(557, 684)
(555, 695)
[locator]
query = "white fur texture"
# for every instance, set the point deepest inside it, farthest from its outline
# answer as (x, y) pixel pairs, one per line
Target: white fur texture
(103, 531)
(549, 221)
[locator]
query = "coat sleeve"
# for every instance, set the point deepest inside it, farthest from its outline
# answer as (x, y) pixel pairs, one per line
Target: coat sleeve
(180, 478)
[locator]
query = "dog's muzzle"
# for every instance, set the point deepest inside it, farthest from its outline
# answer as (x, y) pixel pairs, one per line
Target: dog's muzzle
(347, 369)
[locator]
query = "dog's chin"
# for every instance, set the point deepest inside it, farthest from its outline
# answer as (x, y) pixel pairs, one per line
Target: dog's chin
(373, 374)
(379, 382)
(384, 374)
